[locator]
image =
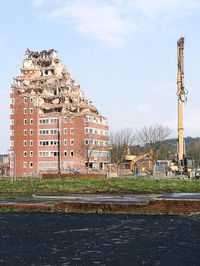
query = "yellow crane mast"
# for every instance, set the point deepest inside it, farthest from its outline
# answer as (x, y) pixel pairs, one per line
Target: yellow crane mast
(182, 98)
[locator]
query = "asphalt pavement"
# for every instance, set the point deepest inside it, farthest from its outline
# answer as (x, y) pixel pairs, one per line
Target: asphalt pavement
(98, 239)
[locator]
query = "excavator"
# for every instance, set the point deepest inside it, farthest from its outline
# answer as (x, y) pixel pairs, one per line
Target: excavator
(131, 160)
(181, 164)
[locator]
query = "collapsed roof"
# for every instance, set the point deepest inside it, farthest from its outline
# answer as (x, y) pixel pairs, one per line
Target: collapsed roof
(51, 86)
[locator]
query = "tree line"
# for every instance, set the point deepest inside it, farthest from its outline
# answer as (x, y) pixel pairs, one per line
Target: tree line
(153, 138)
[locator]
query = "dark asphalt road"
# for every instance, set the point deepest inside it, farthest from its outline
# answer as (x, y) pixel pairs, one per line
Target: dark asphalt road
(92, 239)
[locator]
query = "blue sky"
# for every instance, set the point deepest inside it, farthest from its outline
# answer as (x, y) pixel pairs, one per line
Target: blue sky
(121, 52)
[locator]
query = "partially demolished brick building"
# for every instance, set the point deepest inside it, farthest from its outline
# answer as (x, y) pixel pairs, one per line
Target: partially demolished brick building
(53, 127)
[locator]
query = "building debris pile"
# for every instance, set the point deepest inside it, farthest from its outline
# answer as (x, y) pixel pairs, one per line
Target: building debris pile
(51, 86)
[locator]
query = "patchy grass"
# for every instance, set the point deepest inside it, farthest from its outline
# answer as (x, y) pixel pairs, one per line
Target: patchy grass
(115, 186)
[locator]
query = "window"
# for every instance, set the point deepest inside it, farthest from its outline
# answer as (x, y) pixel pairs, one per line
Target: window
(44, 121)
(71, 130)
(31, 99)
(12, 101)
(11, 90)
(25, 153)
(71, 153)
(71, 142)
(86, 130)
(25, 99)
(12, 111)
(31, 153)
(31, 110)
(71, 119)
(25, 142)
(12, 154)
(31, 121)
(65, 119)
(25, 121)
(11, 122)
(12, 143)
(25, 164)
(86, 141)
(12, 165)
(65, 130)
(65, 153)
(65, 142)
(25, 132)
(31, 164)
(31, 132)
(31, 142)
(12, 133)
(25, 110)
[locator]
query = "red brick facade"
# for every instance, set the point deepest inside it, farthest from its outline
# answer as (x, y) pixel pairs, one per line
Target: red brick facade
(34, 137)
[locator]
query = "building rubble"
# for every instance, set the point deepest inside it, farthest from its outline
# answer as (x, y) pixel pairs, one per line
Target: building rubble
(51, 86)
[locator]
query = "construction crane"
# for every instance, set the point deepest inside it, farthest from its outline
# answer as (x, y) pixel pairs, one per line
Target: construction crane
(183, 164)
(182, 98)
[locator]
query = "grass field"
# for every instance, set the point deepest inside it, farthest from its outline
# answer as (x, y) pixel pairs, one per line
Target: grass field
(115, 186)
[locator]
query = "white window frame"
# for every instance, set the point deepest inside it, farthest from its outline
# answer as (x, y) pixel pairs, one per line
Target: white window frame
(25, 164)
(25, 132)
(25, 121)
(25, 111)
(31, 142)
(31, 121)
(71, 130)
(71, 151)
(25, 143)
(12, 143)
(12, 100)
(25, 153)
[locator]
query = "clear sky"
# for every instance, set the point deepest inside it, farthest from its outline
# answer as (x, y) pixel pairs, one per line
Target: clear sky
(123, 53)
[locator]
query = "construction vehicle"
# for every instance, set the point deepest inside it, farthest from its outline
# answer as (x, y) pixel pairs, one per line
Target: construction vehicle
(181, 164)
(129, 167)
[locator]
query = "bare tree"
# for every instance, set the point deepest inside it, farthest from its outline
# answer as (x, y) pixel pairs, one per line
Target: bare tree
(86, 150)
(194, 151)
(3, 168)
(152, 138)
(120, 142)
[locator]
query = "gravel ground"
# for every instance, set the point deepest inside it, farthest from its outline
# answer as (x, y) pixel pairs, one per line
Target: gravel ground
(92, 239)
